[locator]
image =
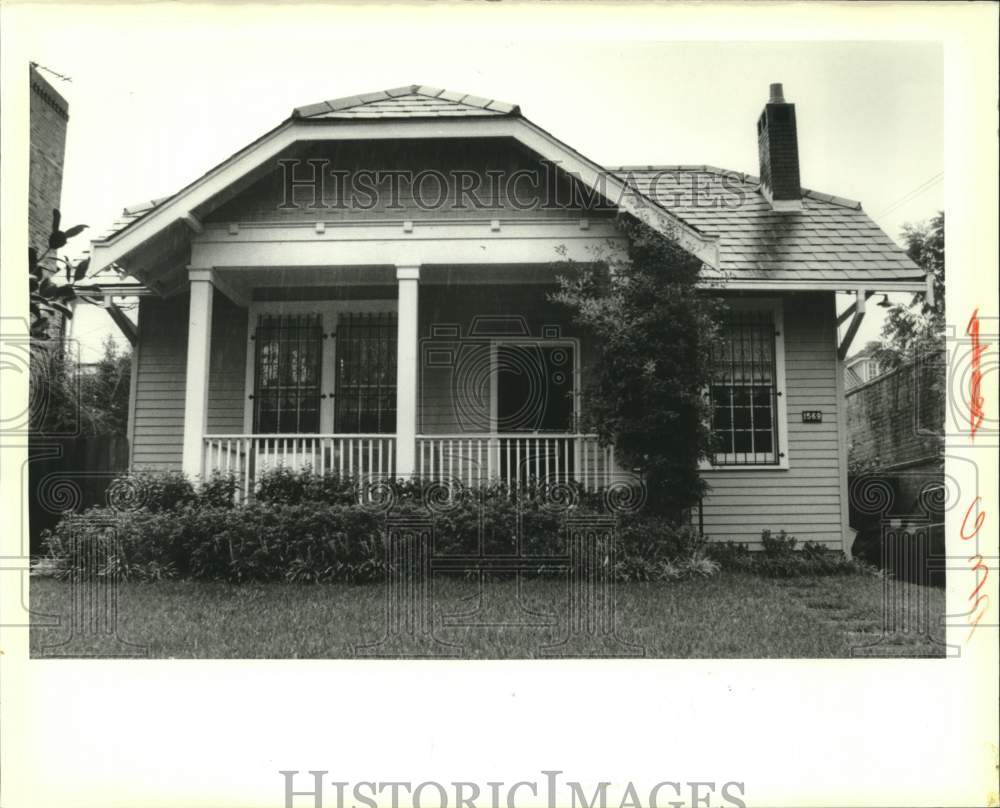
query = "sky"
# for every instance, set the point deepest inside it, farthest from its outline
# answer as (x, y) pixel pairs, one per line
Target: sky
(157, 101)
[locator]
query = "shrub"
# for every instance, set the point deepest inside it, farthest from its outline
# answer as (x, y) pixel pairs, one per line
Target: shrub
(219, 490)
(286, 486)
(781, 559)
(777, 546)
(309, 528)
(159, 490)
(256, 542)
(652, 548)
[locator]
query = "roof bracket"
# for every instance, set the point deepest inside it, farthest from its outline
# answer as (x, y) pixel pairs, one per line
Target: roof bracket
(846, 314)
(193, 222)
(125, 325)
(852, 330)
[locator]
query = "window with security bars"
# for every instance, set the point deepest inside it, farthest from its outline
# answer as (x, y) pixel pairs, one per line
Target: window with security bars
(289, 351)
(744, 391)
(366, 373)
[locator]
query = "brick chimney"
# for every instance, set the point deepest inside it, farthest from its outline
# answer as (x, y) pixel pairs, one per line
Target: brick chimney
(779, 153)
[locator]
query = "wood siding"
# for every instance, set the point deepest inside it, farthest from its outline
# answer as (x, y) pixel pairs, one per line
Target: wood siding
(806, 499)
(161, 355)
(429, 184)
(158, 428)
(227, 379)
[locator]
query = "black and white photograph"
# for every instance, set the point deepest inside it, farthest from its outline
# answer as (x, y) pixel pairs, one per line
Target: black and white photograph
(597, 349)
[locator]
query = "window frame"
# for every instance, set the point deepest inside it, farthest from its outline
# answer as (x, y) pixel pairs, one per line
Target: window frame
(330, 310)
(556, 342)
(776, 306)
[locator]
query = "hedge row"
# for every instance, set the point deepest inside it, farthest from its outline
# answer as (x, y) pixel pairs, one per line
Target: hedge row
(311, 528)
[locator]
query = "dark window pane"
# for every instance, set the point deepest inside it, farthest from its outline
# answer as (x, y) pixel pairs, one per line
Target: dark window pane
(286, 394)
(761, 418)
(762, 441)
(366, 373)
(743, 394)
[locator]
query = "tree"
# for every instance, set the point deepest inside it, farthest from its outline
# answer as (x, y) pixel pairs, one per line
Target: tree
(654, 332)
(918, 329)
(94, 403)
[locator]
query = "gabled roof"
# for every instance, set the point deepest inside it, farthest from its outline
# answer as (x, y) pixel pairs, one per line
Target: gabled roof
(830, 243)
(411, 101)
(830, 239)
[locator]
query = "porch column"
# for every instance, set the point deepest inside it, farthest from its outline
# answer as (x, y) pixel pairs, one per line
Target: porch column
(408, 278)
(196, 385)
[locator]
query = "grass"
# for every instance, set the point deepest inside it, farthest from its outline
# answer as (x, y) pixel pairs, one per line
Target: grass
(731, 615)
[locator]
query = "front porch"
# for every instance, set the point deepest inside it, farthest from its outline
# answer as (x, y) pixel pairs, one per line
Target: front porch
(456, 375)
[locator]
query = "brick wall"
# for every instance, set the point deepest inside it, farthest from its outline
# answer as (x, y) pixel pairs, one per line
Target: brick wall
(897, 419)
(49, 116)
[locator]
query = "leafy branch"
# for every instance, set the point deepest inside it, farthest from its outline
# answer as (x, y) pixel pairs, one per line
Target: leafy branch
(49, 299)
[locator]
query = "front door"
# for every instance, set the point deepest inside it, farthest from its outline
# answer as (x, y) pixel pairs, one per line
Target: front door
(535, 388)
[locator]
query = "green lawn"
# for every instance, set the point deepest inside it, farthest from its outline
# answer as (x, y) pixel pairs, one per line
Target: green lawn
(730, 615)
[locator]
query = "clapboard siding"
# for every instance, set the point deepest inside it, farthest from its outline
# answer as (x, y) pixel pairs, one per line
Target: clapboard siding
(158, 428)
(227, 377)
(158, 419)
(396, 197)
(805, 499)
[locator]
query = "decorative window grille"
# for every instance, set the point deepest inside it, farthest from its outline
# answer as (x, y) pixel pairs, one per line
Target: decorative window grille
(366, 373)
(289, 349)
(744, 391)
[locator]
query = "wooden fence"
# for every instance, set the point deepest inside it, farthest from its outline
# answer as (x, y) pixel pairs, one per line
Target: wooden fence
(69, 474)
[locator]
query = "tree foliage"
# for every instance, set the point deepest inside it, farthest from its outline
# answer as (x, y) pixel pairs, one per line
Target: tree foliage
(918, 328)
(71, 402)
(50, 300)
(653, 332)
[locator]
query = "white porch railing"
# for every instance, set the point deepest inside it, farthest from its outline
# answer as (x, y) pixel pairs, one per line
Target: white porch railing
(463, 458)
(247, 457)
(516, 458)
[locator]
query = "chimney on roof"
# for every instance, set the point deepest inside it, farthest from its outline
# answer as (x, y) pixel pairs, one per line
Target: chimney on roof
(778, 145)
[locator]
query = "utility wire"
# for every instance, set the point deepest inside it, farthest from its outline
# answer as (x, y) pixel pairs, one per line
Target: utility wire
(911, 195)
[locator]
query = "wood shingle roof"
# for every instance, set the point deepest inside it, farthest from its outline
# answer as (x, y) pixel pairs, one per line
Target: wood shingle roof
(412, 101)
(830, 239)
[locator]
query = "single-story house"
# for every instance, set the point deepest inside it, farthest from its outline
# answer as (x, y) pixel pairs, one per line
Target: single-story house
(365, 288)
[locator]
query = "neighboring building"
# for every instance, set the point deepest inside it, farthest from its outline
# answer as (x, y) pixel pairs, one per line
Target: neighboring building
(895, 425)
(895, 422)
(48, 119)
(862, 367)
(374, 332)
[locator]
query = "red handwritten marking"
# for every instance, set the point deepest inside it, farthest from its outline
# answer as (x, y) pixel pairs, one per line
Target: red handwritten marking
(976, 399)
(980, 564)
(984, 599)
(976, 415)
(980, 518)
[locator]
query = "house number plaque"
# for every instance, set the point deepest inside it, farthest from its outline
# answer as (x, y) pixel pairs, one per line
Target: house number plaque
(812, 416)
